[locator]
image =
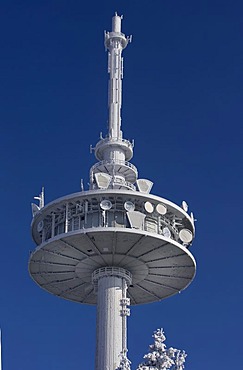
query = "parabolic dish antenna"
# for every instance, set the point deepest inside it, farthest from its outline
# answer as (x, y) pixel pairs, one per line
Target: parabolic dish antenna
(185, 235)
(161, 209)
(129, 206)
(105, 204)
(148, 207)
(185, 205)
(40, 226)
(166, 232)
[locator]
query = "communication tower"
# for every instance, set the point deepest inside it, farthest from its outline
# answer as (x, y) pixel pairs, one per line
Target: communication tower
(116, 244)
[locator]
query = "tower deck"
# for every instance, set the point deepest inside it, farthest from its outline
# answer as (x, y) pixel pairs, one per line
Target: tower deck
(75, 236)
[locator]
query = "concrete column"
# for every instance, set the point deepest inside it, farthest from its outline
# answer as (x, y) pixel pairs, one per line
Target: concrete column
(111, 284)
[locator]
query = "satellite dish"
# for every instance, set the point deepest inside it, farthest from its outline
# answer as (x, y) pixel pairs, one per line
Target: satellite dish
(161, 209)
(166, 232)
(148, 207)
(129, 206)
(105, 204)
(185, 235)
(184, 205)
(40, 226)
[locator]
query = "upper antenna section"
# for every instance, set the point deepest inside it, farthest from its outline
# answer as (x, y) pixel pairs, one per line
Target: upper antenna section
(113, 152)
(116, 34)
(115, 42)
(116, 23)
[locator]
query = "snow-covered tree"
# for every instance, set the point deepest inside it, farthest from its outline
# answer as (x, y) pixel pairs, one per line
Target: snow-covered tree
(124, 362)
(160, 358)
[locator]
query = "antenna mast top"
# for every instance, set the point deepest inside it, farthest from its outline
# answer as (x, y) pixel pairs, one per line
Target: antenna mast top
(115, 42)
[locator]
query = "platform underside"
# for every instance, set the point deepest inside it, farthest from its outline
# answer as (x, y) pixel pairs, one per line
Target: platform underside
(160, 266)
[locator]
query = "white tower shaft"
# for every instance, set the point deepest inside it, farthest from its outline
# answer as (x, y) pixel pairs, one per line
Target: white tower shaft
(112, 312)
(115, 83)
(115, 89)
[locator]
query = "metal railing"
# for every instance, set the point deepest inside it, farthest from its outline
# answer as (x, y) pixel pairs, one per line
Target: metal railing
(111, 271)
(115, 140)
(115, 162)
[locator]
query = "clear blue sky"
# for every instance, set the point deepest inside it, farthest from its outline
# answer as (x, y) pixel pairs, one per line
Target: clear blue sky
(183, 95)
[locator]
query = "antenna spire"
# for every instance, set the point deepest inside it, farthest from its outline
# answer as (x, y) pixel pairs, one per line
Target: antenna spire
(113, 152)
(115, 42)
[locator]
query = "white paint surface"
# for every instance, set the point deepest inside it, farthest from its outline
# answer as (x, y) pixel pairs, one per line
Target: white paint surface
(111, 337)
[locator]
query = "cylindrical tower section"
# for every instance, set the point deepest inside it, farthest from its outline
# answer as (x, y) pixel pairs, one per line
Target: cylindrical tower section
(111, 338)
(115, 88)
(113, 152)
(115, 42)
(116, 23)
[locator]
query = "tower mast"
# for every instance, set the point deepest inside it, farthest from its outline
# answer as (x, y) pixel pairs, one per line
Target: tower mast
(115, 42)
(114, 152)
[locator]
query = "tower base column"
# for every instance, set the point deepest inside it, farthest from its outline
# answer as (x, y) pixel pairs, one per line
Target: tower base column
(111, 336)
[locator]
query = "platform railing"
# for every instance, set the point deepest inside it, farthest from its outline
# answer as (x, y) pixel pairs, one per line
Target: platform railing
(114, 162)
(97, 218)
(114, 140)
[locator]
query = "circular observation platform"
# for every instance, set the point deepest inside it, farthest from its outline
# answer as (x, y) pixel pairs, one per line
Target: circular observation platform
(75, 237)
(121, 168)
(115, 36)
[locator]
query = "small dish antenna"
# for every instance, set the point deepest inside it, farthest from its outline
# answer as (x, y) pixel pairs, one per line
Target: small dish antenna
(148, 207)
(161, 209)
(185, 235)
(166, 232)
(184, 205)
(40, 226)
(105, 204)
(129, 206)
